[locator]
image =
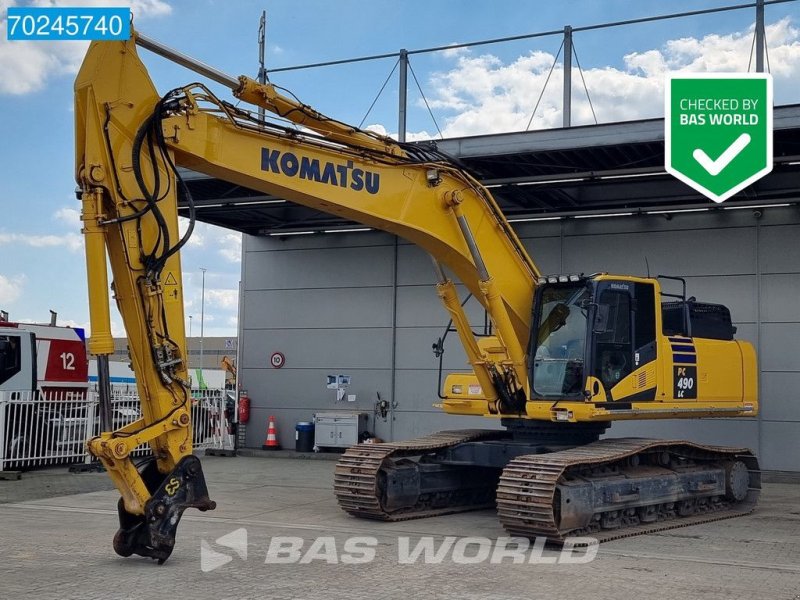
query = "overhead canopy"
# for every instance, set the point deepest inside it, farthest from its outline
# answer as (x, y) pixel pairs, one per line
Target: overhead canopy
(593, 169)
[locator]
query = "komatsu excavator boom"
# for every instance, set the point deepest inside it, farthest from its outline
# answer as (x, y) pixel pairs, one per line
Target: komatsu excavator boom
(567, 354)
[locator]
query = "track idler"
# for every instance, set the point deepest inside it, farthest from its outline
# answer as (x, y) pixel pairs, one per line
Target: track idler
(153, 534)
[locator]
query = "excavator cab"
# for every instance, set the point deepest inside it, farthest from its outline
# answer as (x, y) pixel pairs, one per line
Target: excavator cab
(617, 342)
(591, 334)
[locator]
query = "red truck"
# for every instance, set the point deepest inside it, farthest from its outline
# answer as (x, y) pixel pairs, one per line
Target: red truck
(44, 358)
(44, 410)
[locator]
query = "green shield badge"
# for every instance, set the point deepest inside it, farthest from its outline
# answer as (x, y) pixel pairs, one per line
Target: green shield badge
(718, 130)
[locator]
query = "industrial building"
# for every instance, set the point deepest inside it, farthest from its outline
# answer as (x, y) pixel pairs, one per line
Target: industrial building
(207, 353)
(333, 298)
(583, 199)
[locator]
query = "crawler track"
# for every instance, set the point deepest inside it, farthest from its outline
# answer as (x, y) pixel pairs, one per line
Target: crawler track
(357, 478)
(530, 489)
(528, 501)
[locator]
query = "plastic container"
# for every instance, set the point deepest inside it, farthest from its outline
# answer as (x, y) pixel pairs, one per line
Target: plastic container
(304, 437)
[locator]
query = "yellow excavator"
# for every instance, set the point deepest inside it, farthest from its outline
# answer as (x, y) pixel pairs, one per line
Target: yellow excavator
(566, 354)
(229, 366)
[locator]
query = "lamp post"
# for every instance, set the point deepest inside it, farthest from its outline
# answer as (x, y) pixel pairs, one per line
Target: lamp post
(189, 342)
(202, 315)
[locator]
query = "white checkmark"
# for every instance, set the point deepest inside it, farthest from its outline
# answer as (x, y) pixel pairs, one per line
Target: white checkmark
(715, 167)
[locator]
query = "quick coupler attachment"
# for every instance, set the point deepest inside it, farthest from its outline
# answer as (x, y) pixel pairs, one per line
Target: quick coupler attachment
(153, 534)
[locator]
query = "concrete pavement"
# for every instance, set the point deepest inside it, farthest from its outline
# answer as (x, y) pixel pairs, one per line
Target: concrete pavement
(60, 547)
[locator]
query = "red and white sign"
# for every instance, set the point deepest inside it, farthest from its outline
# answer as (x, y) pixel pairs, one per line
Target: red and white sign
(277, 360)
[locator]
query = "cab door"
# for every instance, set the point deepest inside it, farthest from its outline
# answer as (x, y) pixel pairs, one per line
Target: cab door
(624, 340)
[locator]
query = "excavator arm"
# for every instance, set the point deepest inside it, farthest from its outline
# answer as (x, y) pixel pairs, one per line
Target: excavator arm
(129, 143)
(128, 191)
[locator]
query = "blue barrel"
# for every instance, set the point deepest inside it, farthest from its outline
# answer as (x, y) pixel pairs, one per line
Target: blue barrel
(304, 437)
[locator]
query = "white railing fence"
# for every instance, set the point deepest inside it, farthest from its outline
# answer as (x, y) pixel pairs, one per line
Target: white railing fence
(211, 426)
(46, 429)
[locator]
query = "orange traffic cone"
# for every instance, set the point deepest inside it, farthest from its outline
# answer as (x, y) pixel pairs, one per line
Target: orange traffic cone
(272, 436)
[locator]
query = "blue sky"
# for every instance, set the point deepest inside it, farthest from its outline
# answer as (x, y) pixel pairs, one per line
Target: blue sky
(481, 90)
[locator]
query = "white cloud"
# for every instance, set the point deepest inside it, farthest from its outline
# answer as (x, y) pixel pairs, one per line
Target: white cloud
(141, 9)
(117, 329)
(454, 52)
(227, 243)
(482, 94)
(72, 323)
(68, 216)
(11, 288)
(86, 326)
(222, 298)
(230, 246)
(26, 66)
(411, 136)
(147, 8)
(71, 241)
(197, 239)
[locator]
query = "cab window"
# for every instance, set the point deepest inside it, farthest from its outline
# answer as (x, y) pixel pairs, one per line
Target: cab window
(624, 331)
(561, 341)
(10, 357)
(613, 353)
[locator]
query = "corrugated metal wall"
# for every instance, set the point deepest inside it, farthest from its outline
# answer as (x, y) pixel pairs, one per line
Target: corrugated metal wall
(364, 305)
